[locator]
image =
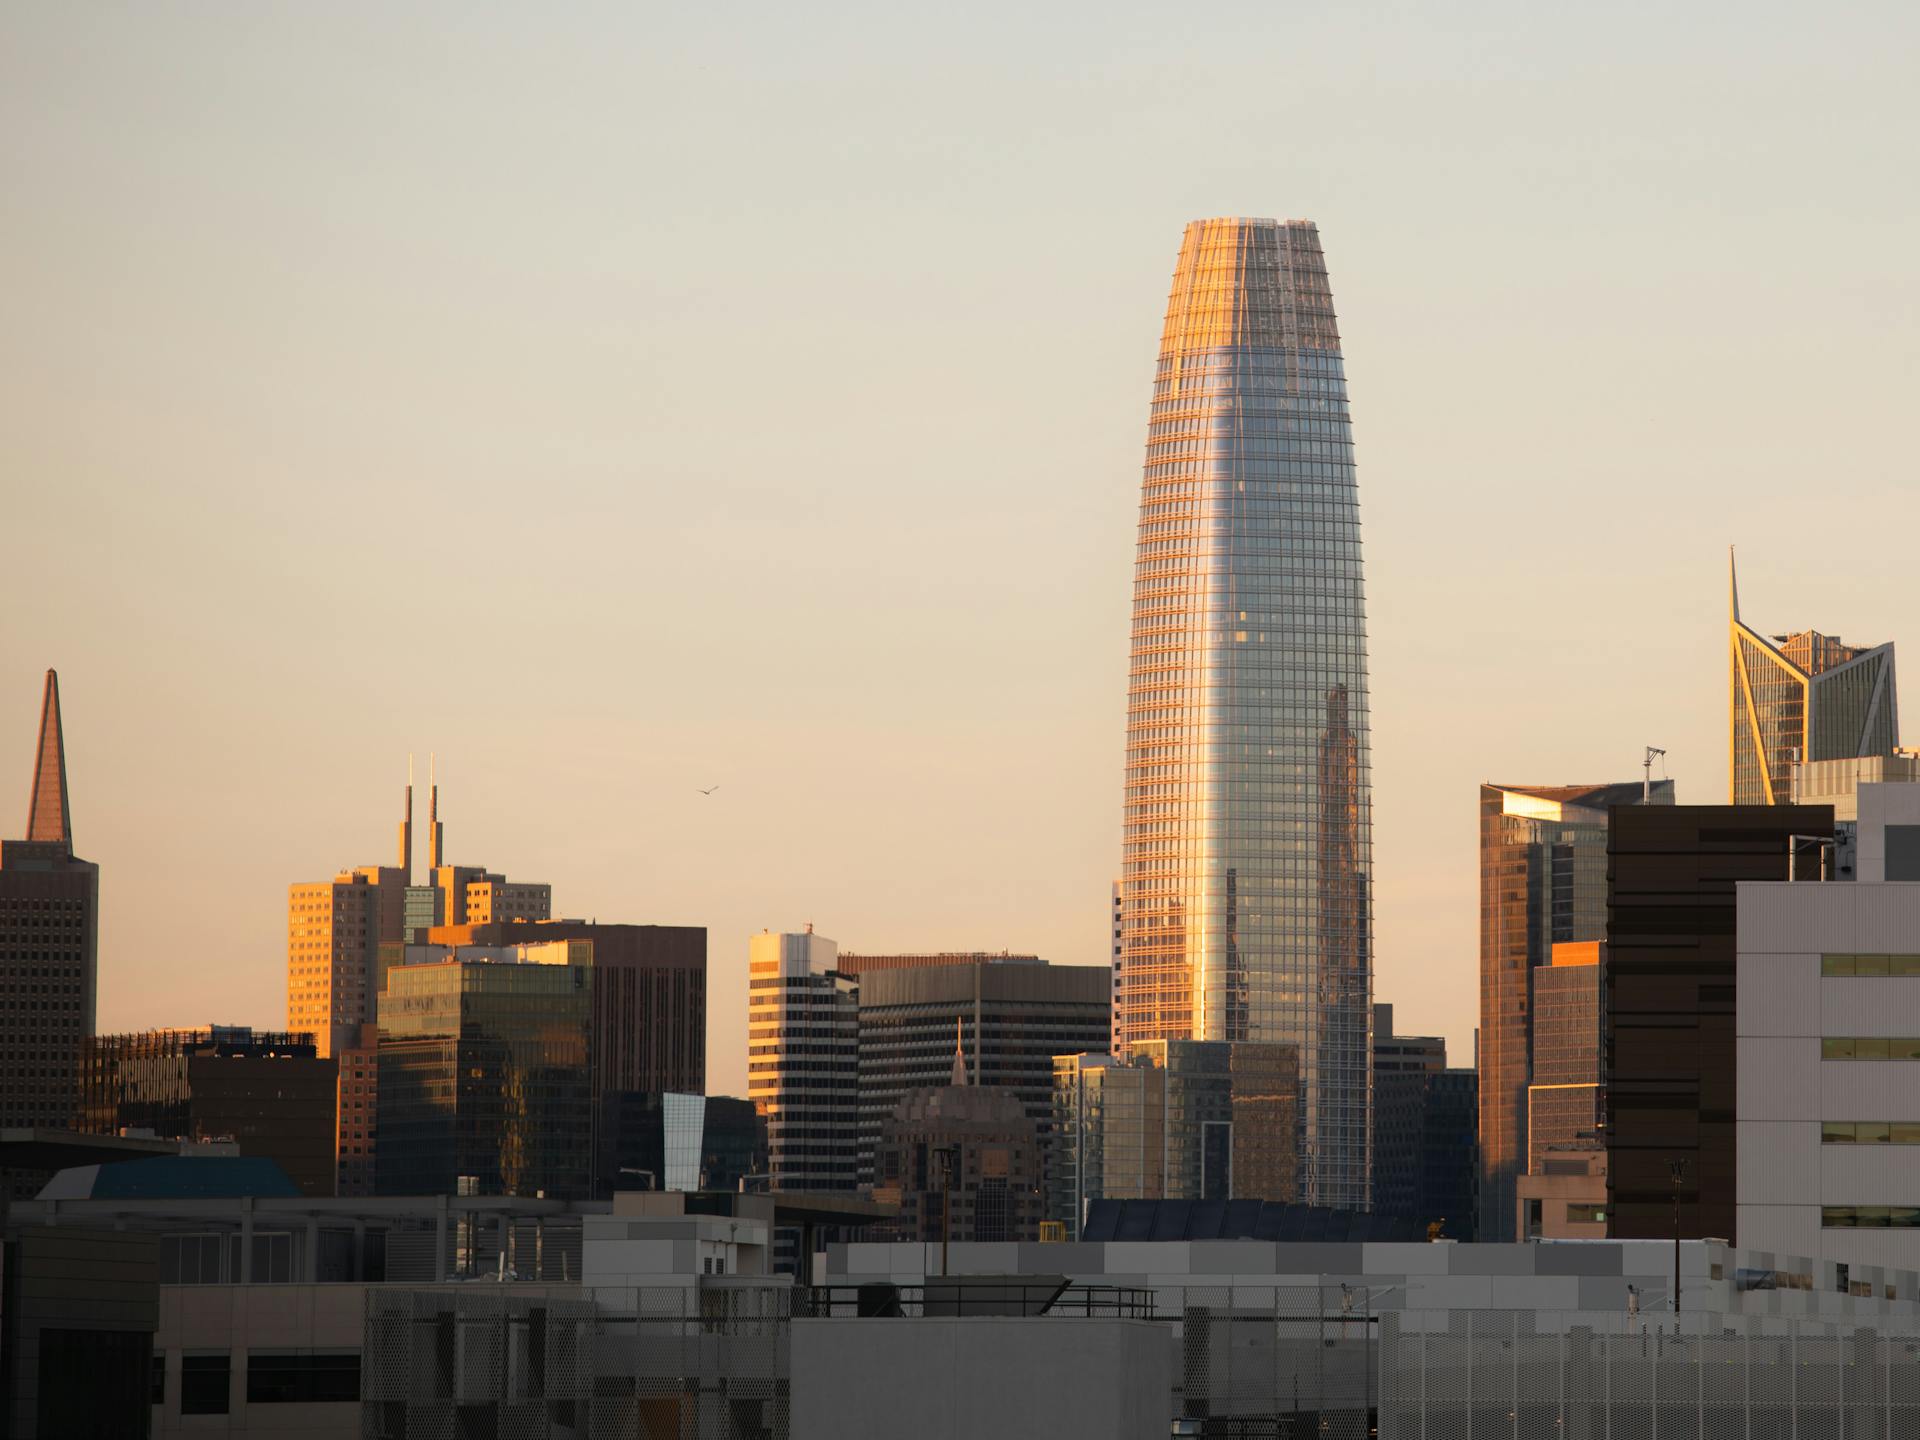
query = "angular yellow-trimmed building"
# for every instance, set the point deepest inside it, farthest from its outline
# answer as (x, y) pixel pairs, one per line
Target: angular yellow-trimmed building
(1798, 698)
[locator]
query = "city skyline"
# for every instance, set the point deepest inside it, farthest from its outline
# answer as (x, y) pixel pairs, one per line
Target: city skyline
(291, 376)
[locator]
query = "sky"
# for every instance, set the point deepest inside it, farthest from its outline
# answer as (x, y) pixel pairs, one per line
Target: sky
(622, 400)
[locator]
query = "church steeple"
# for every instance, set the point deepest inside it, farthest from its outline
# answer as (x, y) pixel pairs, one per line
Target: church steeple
(48, 818)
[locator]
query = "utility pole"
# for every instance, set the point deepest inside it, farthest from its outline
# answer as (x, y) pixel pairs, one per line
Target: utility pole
(1677, 1168)
(949, 1157)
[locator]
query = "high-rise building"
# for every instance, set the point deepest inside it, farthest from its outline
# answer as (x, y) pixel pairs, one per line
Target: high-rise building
(649, 1036)
(1246, 863)
(803, 1059)
(1828, 1123)
(1670, 1060)
(357, 1110)
(1800, 697)
(1423, 1131)
(1563, 1098)
(858, 966)
(343, 935)
(1174, 1120)
(1543, 881)
(49, 937)
(484, 1076)
(269, 1093)
(1015, 1014)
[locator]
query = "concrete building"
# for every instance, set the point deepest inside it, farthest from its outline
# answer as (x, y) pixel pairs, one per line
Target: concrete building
(1670, 1054)
(961, 1160)
(49, 942)
(1543, 882)
(1424, 1158)
(1016, 1014)
(803, 1056)
(1837, 783)
(1176, 1120)
(269, 1093)
(1829, 1037)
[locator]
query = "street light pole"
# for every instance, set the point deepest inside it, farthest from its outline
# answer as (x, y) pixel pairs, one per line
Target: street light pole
(1678, 1170)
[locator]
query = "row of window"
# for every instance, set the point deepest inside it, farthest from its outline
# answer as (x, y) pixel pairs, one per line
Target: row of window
(1870, 964)
(1870, 1217)
(206, 1381)
(1870, 1132)
(1869, 1047)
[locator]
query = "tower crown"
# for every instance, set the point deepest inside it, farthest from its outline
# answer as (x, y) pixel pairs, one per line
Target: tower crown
(48, 818)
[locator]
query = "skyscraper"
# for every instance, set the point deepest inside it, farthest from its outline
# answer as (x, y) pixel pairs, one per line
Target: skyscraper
(49, 926)
(1800, 697)
(1543, 881)
(1245, 902)
(803, 1059)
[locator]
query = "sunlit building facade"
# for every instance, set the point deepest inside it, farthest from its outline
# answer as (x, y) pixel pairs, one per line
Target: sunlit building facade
(1800, 698)
(1245, 890)
(1543, 882)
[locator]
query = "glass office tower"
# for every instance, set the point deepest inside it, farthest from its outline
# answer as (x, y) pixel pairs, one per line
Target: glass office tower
(1245, 901)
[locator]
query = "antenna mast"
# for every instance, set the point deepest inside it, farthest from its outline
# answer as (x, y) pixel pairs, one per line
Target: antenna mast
(1646, 785)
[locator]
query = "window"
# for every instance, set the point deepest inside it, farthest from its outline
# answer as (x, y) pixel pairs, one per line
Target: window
(1869, 1047)
(205, 1382)
(1586, 1214)
(1871, 966)
(1870, 1217)
(158, 1394)
(302, 1377)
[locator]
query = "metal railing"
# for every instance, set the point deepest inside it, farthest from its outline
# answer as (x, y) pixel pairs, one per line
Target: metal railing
(881, 1300)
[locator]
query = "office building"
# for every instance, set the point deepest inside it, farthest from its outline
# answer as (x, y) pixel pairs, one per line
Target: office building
(344, 935)
(484, 1078)
(803, 1059)
(1246, 862)
(49, 938)
(1016, 1014)
(858, 966)
(269, 1093)
(1829, 1037)
(1837, 783)
(733, 1145)
(1173, 1120)
(1543, 882)
(1669, 1054)
(963, 1163)
(1423, 1132)
(1800, 697)
(1563, 1099)
(357, 1108)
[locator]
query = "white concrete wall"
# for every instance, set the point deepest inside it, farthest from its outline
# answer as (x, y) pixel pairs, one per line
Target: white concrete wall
(960, 1379)
(1785, 1007)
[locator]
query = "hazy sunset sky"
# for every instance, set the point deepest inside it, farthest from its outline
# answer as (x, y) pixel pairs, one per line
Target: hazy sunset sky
(625, 399)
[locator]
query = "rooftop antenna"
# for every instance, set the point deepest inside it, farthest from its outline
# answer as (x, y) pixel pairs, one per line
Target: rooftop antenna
(1646, 785)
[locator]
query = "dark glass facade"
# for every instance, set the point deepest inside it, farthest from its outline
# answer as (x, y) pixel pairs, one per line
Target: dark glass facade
(484, 1076)
(269, 1092)
(1245, 907)
(1669, 1048)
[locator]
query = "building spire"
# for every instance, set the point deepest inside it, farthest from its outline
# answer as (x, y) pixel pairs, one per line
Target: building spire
(959, 1052)
(406, 828)
(1733, 590)
(433, 816)
(47, 815)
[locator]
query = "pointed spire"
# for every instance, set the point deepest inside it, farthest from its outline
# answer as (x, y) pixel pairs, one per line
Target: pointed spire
(433, 816)
(959, 1052)
(47, 814)
(1733, 589)
(406, 828)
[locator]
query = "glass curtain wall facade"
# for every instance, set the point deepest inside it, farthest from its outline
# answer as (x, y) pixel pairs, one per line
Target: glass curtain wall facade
(1245, 904)
(1543, 881)
(1799, 698)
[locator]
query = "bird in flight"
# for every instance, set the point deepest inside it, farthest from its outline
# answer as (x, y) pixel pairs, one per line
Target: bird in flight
(710, 789)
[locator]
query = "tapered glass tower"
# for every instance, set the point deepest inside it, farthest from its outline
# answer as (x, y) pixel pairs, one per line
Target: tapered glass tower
(1245, 907)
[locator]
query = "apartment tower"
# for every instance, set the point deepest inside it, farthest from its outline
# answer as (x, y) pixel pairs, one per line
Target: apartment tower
(1245, 884)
